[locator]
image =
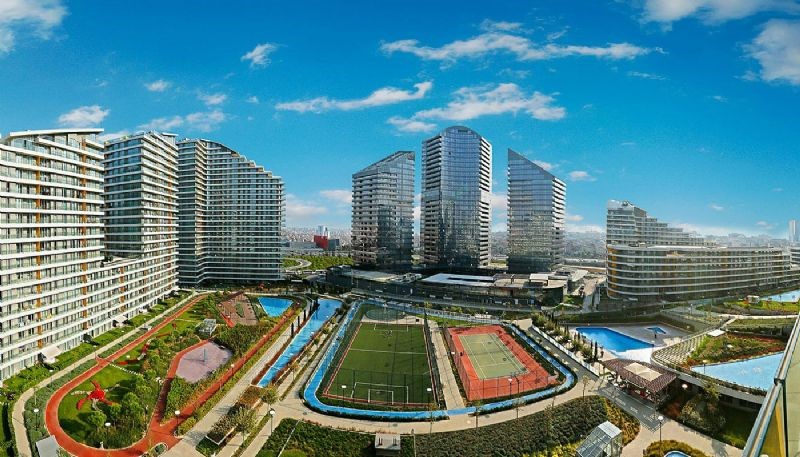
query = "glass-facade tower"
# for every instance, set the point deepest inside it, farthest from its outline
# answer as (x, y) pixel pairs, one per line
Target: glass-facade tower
(456, 199)
(536, 206)
(383, 207)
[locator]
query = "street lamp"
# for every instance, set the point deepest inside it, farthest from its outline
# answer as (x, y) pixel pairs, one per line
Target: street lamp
(660, 425)
(271, 418)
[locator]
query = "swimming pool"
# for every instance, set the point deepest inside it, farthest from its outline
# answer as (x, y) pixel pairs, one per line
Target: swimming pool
(658, 330)
(274, 306)
(327, 307)
(757, 372)
(624, 346)
(791, 296)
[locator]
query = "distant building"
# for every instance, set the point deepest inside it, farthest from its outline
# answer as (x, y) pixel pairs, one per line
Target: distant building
(793, 231)
(648, 260)
(231, 216)
(536, 207)
(383, 212)
(456, 199)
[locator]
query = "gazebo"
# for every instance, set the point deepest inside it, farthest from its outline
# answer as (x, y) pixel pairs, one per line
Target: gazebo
(641, 379)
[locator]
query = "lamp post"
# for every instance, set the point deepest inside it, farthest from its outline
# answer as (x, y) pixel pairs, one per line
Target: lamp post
(271, 419)
(660, 425)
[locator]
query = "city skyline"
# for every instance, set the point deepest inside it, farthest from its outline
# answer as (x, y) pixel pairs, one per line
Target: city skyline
(657, 121)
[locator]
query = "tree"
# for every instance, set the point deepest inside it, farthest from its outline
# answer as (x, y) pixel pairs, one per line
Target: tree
(269, 395)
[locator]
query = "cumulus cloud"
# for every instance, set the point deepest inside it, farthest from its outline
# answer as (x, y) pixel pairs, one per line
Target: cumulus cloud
(777, 50)
(158, 85)
(84, 116)
(259, 56)
(503, 37)
(712, 11)
(580, 175)
(204, 121)
(39, 16)
(212, 99)
(341, 196)
(380, 97)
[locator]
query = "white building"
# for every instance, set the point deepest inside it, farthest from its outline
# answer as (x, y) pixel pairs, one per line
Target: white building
(58, 284)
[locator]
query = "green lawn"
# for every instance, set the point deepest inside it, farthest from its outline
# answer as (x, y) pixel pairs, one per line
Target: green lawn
(385, 363)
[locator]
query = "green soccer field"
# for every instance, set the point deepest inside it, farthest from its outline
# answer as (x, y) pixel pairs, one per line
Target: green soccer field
(385, 364)
(490, 357)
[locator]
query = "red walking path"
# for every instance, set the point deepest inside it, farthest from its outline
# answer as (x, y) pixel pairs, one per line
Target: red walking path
(158, 431)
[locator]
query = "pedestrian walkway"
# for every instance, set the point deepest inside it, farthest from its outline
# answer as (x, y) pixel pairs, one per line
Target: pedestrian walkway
(447, 379)
(20, 436)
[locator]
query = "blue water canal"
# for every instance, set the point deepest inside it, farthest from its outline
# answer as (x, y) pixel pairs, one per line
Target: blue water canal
(757, 372)
(274, 306)
(327, 308)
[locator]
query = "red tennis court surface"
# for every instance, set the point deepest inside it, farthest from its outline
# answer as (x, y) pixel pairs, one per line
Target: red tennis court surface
(490, 355)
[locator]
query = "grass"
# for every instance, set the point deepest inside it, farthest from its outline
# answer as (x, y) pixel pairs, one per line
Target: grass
(729, 347)
(385, 363)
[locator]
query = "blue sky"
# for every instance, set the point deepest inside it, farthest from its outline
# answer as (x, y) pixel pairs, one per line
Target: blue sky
(688, 108)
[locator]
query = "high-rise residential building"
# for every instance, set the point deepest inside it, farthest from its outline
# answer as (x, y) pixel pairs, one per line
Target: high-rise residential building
(626, 224)
(456, 199)
(58, 283)
(648, 260)
(231, 216)
(536, 207)
(383, 212)
(793, 231)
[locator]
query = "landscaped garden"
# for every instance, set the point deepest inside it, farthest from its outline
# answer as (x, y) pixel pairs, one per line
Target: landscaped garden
(733, 346)
(556, 429)
(24, 380)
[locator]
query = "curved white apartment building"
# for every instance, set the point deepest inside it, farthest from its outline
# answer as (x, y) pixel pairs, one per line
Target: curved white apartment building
(58, 284)
(648, 260)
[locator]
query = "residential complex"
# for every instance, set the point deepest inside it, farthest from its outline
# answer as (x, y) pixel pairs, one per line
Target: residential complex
(536, 206)
(58, 283)
(383, 212)
(230, 216)
(649, 260)
(456, 199)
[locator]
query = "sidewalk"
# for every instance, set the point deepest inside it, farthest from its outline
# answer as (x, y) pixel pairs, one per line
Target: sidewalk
(20, 433)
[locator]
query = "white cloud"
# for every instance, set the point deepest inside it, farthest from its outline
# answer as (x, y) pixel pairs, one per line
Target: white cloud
(259, 56)
(716, 207)
(299, 211)
(112, 135)
(380, 97)
(162, 124)
(546, 165)
(212, 99)
(252, 99)
(580, 175)
(472, 102)
(158, 85)
(84, 116)
(712, 11)
(341, 196)
(643, 75)
(39, 16)
(777, 50)
(204, 121)
(410, 125)
(495, 40)
(573, 217)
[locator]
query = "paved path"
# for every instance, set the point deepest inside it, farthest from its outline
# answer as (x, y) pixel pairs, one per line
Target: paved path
(452, 396)
(20, 435)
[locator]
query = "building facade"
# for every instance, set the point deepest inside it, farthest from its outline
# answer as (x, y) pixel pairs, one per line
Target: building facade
(383, 213)
(58, 283)
(536, 211)
(456, 199)
(648, 260)
(231, 216)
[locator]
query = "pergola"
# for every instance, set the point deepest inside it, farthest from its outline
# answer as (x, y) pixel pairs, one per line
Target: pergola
(641, 378)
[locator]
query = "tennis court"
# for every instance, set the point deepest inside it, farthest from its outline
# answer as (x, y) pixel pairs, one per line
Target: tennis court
(490, 357)
(384, 364)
